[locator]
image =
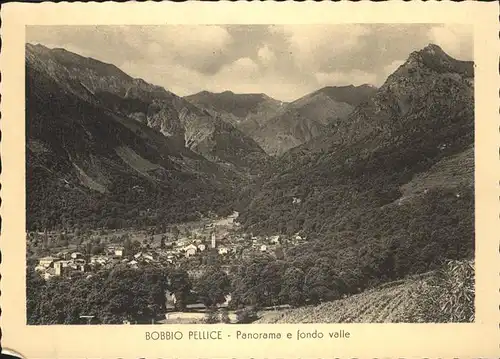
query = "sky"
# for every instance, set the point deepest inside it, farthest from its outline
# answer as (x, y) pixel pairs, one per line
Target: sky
(282, 61)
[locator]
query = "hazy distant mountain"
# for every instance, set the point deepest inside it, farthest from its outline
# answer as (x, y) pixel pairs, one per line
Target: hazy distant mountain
(394, 180)
(245, 111)
(174, 117)
(309, 117)
(90, 163)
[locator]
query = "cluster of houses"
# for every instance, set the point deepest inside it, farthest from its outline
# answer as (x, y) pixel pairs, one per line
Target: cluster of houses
(238, 245)
(266, 244)
(61, 264)
(224, 243)
(198, 246)
(67, 262)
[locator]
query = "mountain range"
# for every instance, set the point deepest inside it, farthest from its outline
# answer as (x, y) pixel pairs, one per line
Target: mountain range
(245, 111)
(279, 126)
(107, 86)
(104, 149)
(309, 117)
(393, 166)
(395, 176)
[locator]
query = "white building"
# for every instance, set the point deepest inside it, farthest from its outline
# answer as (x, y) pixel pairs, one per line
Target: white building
(76, 255)
(274, 239)
(190, 250)
(119, 252)
(263, 248)
(213, 240)
(202, 247)
(58, 268)
(46, 261)
(223, 250)
(149, 257)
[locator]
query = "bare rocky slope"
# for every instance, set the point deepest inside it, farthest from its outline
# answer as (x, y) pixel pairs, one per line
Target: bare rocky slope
(247, 112)
(309, 117)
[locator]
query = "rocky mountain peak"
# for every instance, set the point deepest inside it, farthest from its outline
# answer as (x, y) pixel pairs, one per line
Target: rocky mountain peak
(433, 57)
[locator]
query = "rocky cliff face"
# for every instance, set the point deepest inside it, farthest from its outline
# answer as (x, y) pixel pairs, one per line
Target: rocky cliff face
(247, 112)
(430, 91)
(309, 117)
(107, 86)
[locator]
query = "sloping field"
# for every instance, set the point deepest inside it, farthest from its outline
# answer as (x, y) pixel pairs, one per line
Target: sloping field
(450, 172)
(443, 296)
(387, 304)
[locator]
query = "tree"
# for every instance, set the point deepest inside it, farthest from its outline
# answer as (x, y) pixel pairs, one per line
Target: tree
(130, 247)
(292, 287)
(316, 285)
(176, 232)
(180, 285)
(34, 288)
(97, 249)
(212, 287)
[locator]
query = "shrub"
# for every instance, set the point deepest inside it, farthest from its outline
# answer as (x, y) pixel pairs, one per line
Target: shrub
(246, 316)
(211, 317)
(446, 297)
(224, 316)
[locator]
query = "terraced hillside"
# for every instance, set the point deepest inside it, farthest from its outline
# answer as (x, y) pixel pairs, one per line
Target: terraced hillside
(432, 297)
(390, 304)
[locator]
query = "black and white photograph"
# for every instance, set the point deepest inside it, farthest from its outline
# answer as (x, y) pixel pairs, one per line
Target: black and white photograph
(236, 174)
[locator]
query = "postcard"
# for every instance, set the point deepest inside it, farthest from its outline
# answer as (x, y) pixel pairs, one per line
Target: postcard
(250, 180)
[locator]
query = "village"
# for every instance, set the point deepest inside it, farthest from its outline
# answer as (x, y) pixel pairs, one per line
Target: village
(191, 247)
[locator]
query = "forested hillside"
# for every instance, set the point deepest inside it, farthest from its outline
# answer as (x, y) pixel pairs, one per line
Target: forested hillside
(386, 193)
(90, 166)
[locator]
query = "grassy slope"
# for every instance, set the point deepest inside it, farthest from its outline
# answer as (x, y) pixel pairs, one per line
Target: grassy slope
(387, 304)
(444, 295)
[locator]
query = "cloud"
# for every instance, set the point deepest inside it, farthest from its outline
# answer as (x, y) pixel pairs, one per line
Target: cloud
(354, 77)
(266, 56)
(313, 45)
(387, 71)
(456, 40)
(241, 69)
(283, 61)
